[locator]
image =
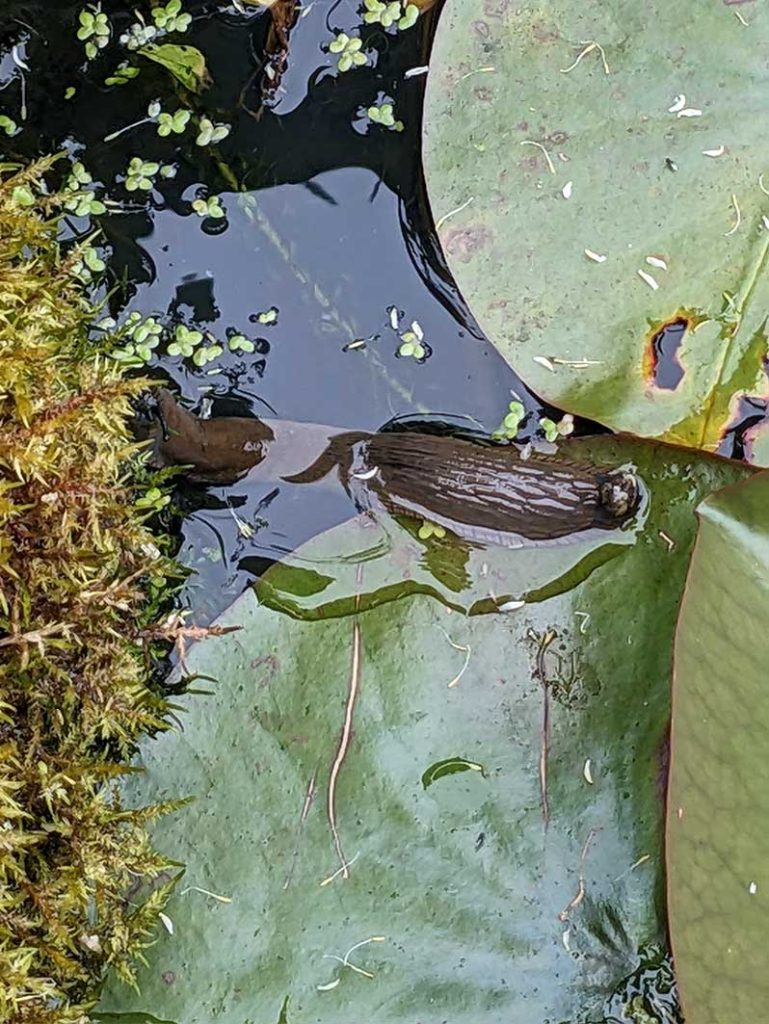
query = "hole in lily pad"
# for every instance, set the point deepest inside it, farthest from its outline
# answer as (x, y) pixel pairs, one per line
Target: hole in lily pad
(664, 368)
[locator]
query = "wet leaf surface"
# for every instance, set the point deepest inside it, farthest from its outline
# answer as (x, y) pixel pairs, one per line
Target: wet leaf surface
(524, 891)
(186, 63)
(717, 841)
(551, 150)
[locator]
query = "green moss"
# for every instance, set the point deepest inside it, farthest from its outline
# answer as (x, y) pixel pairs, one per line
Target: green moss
(77, 560)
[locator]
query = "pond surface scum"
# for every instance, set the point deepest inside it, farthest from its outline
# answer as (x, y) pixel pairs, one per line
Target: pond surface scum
(294, 258)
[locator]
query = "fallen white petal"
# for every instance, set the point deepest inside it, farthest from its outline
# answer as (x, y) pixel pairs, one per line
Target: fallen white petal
(544, 361)
(656, 261)
(752, 888)
(567, 190)
(689, 112)
(167, 922)
(393, 311)
(367, 475)
(416, 327)
(648, 279)
(327, 988)
(719, 151)
(587, 772)
(594, 256)
(413, 72)
(511, 606)
(678, 104)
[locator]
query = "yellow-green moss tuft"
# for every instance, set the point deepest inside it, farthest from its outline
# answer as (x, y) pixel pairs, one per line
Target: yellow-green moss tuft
(76, 561)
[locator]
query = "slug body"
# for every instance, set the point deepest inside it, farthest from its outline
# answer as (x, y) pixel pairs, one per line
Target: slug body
(483, 493)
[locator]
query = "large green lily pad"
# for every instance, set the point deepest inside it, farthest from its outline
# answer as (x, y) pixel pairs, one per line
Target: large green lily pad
(718, 841)
(470, 897)
(504, 87)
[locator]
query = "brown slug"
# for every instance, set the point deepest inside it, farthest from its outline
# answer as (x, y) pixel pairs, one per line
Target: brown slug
(482, 493)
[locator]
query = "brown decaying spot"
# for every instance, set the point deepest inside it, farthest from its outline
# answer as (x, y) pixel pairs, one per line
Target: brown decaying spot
(462, 243)
(662, 367)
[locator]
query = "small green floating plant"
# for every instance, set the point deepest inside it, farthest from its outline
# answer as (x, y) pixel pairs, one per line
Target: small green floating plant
(93, 29)
(210, 133)
(511, 424)
(186, 340)
(211, 206)
(429, 530)
(389, 13)
(383, 114)
(171, 18)
(347, 49)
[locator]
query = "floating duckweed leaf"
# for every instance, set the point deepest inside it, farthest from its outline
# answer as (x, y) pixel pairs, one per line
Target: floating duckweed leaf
(240, 343)
(122, 75)
(186, 63)
(449, 766)
(210, 133)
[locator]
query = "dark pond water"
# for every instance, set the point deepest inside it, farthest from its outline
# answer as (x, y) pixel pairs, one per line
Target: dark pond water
(332, 230)
(326, 221)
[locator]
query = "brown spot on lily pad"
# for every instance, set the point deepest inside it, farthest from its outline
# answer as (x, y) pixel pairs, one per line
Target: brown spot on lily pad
(463, 243)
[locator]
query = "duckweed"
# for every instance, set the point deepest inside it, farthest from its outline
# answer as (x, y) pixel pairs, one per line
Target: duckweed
(94, 29)
(176, 122)
(382, 113)
(170, 18)
(349, 50)
(210, 133)
(240, 343)
(185, 341)
(210, 207)
(411, 346)
(511, 424)
(428, 530)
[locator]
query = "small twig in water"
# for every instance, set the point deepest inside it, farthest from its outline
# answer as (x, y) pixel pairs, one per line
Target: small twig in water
(588, 46)
(206, 892)
(475, 71)
(540, 673)
(442, 220)
(580, 895)
(466, 649)
(344, 743)
(637, 864)
(345, 960)
(577, 364)
(338, 872)
(531, 142)
(738, 217)
(308, 798)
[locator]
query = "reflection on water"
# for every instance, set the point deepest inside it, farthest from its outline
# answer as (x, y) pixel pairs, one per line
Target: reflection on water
(331, 230)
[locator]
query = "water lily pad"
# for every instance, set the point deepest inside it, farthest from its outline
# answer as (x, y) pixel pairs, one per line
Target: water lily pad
(717, 839)
(521, 892)
(594, 171)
